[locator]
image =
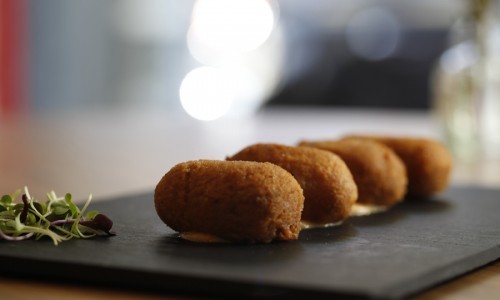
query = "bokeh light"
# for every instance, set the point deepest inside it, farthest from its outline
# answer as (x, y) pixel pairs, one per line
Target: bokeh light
(209, 93)
(222, 29)
(206, 93)
(232, 40)
(373, 34)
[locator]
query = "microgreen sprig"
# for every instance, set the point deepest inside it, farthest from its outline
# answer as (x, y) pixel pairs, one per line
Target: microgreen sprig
(57, 218)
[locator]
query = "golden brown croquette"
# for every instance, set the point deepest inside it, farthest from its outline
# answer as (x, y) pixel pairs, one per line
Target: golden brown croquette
(427, 162)
(328, 185)
(232, 200)
(378, 172)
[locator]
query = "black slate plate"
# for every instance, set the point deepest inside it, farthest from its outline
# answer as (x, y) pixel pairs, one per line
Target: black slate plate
(414, 246)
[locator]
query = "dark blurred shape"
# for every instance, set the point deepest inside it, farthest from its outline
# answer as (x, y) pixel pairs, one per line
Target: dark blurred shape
(330, 67)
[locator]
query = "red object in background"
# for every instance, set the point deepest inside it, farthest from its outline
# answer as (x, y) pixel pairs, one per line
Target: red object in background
(13, 55)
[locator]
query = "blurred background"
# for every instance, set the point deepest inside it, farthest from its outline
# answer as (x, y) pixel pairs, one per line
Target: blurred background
(215, 58)
(125, 73)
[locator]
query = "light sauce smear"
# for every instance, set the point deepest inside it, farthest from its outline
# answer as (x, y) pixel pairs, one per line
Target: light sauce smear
(308, 225)
(359, 210)
(200, 237)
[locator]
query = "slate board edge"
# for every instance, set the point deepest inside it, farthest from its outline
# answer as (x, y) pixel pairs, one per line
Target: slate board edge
(436, 277)
(152, 282)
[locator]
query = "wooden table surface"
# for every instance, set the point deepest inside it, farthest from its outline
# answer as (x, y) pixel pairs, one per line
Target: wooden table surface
(114, 153)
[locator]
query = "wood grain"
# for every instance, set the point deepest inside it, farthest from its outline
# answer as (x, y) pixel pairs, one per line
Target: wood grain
(480, 284)
(15, 289)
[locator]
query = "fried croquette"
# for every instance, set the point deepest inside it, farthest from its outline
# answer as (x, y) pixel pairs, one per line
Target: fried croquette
(378, 172)
(427, 161)
(235, 201)
(328, 185)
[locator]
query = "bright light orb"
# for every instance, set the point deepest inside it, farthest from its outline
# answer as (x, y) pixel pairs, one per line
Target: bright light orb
(229, 27)
(206, 93)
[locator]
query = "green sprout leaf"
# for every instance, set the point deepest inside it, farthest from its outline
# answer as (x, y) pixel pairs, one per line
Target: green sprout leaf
(90, 215)
(6, 200)
(72, 207)
(58, 218)
(59, 210)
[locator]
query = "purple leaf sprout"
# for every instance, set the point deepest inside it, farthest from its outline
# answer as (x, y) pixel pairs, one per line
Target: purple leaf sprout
(100, 223)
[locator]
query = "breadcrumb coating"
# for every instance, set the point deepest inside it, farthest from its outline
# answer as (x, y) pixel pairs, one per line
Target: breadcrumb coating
(428, 162)
(234, 200)
(329, 188)
(378, 172)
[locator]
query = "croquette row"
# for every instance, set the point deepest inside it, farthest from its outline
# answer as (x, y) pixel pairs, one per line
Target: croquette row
(268, 192)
